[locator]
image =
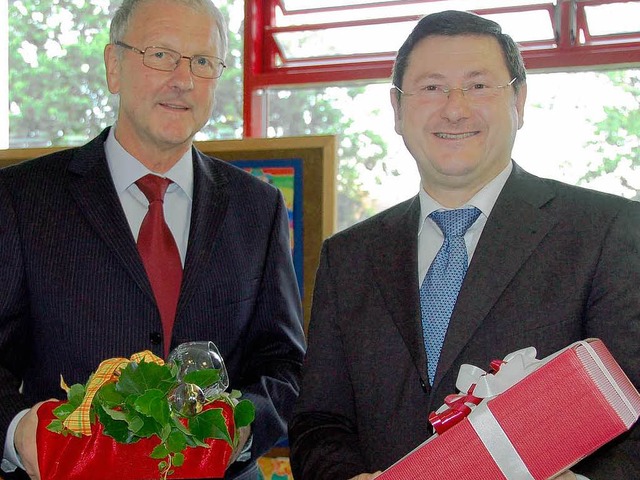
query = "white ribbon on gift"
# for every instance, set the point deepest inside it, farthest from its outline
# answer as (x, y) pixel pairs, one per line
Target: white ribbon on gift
(517, 365)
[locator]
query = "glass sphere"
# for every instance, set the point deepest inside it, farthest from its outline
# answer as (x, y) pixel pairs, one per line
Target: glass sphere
(193, 356)
(187, 399)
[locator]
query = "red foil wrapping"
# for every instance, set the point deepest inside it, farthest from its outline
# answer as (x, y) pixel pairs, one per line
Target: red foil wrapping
(99, 457)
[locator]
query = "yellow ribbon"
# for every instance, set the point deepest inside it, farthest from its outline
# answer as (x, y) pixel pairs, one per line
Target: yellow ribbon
(79, 420)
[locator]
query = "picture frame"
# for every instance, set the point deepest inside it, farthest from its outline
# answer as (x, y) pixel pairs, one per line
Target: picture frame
(313, 160)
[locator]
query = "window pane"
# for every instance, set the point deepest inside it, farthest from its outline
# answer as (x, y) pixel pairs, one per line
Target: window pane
(387, 36)
(580, 128)
(299, 12)
(612, 19)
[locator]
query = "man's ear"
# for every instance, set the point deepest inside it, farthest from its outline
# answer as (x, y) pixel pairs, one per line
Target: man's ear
(112, 67)
(521, 98)
(397, 113)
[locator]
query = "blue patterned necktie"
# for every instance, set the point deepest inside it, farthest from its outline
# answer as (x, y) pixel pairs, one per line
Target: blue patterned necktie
(439, 291)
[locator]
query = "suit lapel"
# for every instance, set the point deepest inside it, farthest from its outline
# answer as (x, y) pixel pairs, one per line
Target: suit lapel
(210, 201)
(514, 229)
(393, 256)
(92, 189)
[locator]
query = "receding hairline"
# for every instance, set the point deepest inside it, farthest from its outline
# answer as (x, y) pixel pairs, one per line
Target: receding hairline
(120, 23)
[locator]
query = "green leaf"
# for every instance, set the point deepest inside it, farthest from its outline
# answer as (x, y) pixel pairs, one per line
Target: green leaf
(149, 428)
(178, 459)
(244, 413)
(63, 410)
(116, 429)
(164, 432)
(160, 451)
(55, 426)
(209, 424)
(176, 442)
(137, 378)
(75, 395)
(180, 426)
(154, 404)
(202, 378)
(115, 414)
(108, 396)
(135, 422)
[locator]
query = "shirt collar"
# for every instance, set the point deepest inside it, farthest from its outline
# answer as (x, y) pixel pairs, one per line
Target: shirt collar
(126, 169)
(484, 200)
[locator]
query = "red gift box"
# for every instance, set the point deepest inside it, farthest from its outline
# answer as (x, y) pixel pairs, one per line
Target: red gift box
(99, 457)
(530, 419)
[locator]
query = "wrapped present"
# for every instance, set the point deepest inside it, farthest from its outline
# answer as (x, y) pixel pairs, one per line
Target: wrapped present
(98, 456)
(142, 419)
(526, 419)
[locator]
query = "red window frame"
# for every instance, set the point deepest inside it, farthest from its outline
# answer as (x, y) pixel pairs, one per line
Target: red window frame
(265, 65)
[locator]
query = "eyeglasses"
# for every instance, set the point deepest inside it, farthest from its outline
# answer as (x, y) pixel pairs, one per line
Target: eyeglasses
(167, 60)
(473, 91)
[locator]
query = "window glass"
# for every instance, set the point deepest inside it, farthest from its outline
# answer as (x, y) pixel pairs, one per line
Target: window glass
(612, 19)
(315, 30)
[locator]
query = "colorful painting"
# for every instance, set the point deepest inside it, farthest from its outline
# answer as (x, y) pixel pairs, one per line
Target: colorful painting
(274, 468)
(287, 176)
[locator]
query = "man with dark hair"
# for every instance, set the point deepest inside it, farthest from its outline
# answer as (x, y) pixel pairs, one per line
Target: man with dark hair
(485, 260)
(81, 278)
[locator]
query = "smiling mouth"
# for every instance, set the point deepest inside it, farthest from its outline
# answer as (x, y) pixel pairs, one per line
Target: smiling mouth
(455, 136)
(174, 107)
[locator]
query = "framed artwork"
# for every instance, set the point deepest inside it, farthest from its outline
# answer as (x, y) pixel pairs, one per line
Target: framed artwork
(303, 168)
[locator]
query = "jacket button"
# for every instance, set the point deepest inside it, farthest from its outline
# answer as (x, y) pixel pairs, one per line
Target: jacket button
(155, 337)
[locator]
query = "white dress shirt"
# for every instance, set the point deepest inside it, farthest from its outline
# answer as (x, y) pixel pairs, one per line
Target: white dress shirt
(431, 238)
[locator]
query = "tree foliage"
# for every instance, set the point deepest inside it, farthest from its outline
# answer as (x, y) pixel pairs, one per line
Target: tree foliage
(59, 96)
(618, 135)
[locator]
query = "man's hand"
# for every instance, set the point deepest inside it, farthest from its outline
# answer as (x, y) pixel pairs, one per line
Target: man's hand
(243, 436)
(25, 442)
(568, 475)
(367, 476)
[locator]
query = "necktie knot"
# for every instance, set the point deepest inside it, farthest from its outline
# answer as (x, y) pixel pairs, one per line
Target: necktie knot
(455, 222)
(153, 187)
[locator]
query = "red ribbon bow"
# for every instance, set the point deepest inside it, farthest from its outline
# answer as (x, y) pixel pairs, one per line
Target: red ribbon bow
(459, 405)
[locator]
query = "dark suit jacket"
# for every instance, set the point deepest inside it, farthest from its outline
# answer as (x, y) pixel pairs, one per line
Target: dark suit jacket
(73, 289)
(555, 264)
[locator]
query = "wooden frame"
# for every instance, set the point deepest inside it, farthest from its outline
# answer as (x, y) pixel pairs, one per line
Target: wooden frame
(317, 156)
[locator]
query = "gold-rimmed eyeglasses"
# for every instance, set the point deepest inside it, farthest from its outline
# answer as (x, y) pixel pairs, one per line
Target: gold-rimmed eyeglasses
(471, 91)
(167, 60)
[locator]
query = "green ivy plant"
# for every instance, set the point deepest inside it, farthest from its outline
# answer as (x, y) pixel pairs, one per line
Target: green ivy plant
(137, 406)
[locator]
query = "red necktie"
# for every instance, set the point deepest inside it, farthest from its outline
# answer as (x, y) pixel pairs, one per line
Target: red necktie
(160, 254)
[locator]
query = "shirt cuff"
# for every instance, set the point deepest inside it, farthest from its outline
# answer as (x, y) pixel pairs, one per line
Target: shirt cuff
(10, 458)
(245, 453)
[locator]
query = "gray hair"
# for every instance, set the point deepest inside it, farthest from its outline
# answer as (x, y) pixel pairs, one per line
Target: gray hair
(452, 22)
(122, 17)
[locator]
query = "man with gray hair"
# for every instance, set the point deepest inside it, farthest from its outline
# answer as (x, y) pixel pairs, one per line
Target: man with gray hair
(80, 279)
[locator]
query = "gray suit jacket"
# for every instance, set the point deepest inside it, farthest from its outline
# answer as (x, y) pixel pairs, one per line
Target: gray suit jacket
(555, 264)
(73, 289)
